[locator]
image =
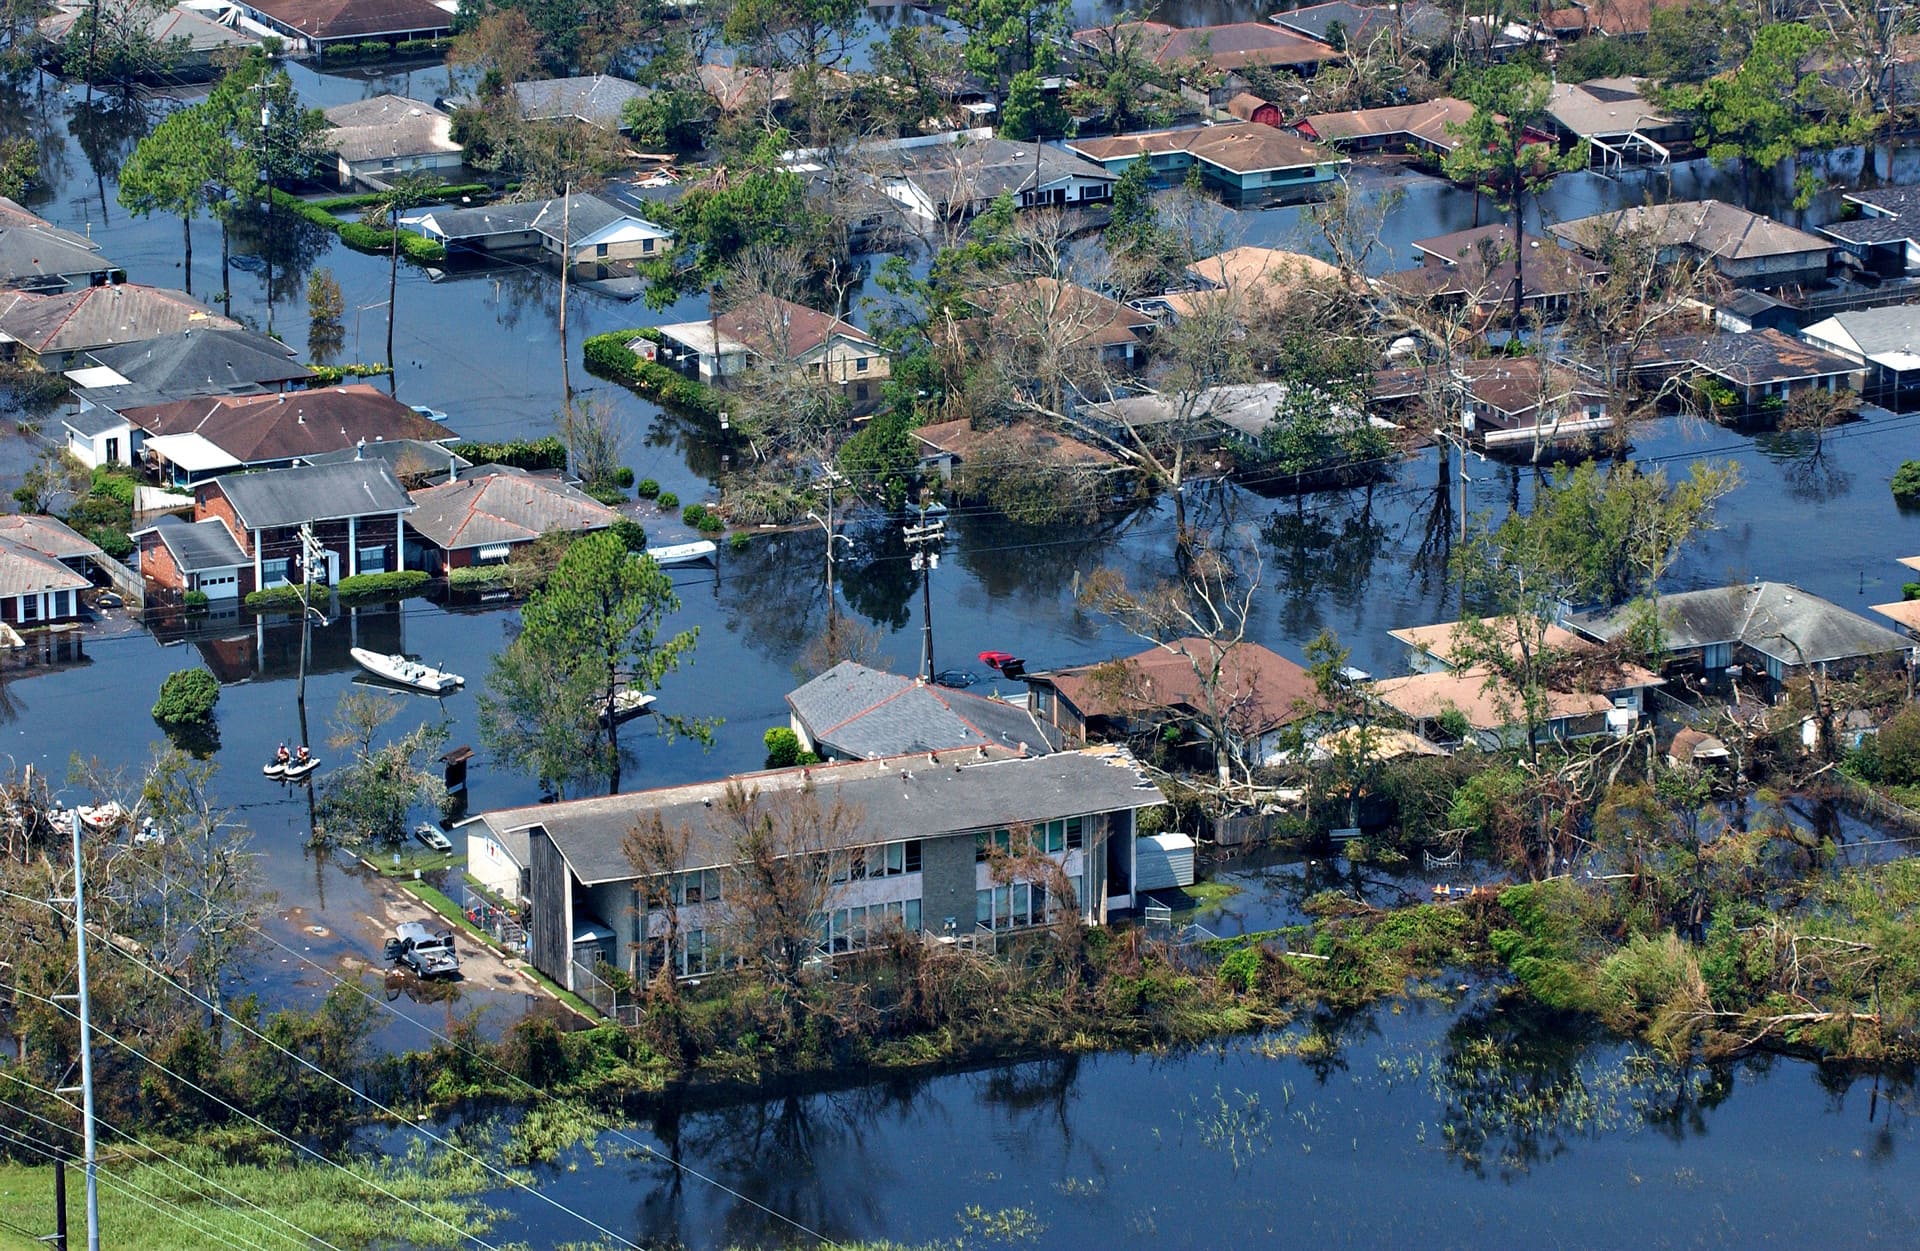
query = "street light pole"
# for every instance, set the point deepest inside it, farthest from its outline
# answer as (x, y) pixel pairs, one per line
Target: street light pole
(925, 540)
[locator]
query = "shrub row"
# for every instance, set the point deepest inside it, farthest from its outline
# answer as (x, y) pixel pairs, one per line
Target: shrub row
(328, 375)
(608, 356)
(358, 235)
(476, 577)
(396, 582)
(703, 519)
(536, 454)
(373, 49)
(338, 204)
(274, 599)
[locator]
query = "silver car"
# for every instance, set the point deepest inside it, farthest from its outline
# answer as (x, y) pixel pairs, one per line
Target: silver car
(429, 953)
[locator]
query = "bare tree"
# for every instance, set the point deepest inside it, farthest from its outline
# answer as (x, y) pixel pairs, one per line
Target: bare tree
(779, 878)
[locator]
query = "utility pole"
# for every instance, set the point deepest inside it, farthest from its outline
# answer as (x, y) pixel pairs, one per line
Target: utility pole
(310, 552)
(86, 1051)
(566, 263)
(925, 540)
(826, 524)
(60, 1203)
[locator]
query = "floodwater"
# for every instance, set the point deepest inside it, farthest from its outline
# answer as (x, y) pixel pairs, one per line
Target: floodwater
(1193, 1149)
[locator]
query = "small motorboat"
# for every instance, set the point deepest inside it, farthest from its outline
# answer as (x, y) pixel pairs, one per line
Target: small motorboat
(430, 834)
(629, 703)
(277, 767)
(298, 768)
(671, 555)
(408, 673)
(150, 835)
(1006, 664)
(101, 816)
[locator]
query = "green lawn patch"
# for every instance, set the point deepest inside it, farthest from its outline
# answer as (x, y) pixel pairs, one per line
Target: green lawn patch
(608, 356)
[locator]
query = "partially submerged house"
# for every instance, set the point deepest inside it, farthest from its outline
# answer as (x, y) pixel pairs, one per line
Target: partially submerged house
(947, 447)
(313, 25)
(582, 230)
(1761, 369)
(388, 135)
(44, 565)
(1245, 162)
(1422, 130)
(767, 332)
(1748, 250)
(960, 173)
(854, 712)
(598, 100)
(38, 256)
(1084, 319)
(1523, 402)
(1256, 693)
(1885, 232)
(1771, 627)
(53, 332)
(190, 440)
(481, 518)
(197, 40)
(354, 509)
(1262, 278)
(111, 382)
(1884, 340)
(1209, 59)
(1613, 117)
(1480, 267)
(1344, 25)
(911, 853)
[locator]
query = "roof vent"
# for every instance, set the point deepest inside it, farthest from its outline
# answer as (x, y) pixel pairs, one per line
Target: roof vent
(905, 776)
(1023, 750)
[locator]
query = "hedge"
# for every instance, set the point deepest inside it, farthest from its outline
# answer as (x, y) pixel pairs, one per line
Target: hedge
(328, 375)
(608, 356)
(274, 598)
(536, 454)
(397, 582)
(473, 577)
(358, 235)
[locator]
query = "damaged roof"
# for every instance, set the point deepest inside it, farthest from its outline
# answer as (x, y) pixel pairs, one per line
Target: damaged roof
(1776, 619)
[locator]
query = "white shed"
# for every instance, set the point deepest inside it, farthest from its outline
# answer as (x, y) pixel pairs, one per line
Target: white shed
(1162, 862)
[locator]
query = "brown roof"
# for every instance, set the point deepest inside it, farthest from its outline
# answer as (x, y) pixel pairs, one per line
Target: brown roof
(1745, 360)
(1480, 263)
(1241, 147)
(1108, 323)
(1428, 120)
(1031, 442)
(345, 19)
(500, 508)
(1249, 266)
(1235, 45)
(1487, 702)
(1264, 688)
(1709, 226)
(255, 429)
(1437, 640)
(96, 317)
(803, 329)
(1512, 386)
(1245, 105)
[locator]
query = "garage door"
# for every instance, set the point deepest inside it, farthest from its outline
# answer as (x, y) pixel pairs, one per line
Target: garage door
(220, 585)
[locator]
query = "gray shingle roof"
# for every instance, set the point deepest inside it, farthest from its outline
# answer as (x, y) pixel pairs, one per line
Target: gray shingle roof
(193, 363)
(597, 99)
(1901, 220)
(24, 571)
(588, 215)
(98, 317)
(199, 546)
(287, 497)
(1773, 618)
(48, 535)
(865, 714)
(482, 510)
(30, 257)
(932, 800)
(412, 459)
(389, 125)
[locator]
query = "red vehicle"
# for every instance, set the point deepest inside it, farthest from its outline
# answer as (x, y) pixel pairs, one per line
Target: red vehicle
(1008, 664)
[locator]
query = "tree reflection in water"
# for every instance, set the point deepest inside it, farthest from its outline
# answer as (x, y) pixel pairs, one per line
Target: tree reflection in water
(1323, 555)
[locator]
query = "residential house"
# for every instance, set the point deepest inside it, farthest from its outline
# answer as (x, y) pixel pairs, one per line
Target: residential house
(52, 332)
(1446, 647)
(853, 712)
(1772, 627)
(1085, 320)
(416, 462)
(1247, 163)
(911, 853)
(1480, 266)
(1619, 19)
(354, 509)
(1760, 370)
(190, 440)
(948, 446)
(1343, 25)
(1258, 695)
(770, 332)
(1262, 278)
(480, 518)
(1422, 130)
(36, 255)
(588, 232)
(598, 100)
(960, 173)
(197, 39)
(1885, 233)
(389, 135)
(113, 381)
(1614, 119)
(44, 565)
(1209, 59)
(1748, 250)
(311, 25)
(1247, 107)
(1885, 340)
(1743, 309)
(1524, 403)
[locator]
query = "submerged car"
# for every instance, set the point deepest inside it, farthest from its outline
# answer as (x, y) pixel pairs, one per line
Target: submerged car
(429, 953)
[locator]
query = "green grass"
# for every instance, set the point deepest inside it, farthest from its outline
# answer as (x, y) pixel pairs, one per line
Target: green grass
(1210, 895)
(413, 855)
(447, 908)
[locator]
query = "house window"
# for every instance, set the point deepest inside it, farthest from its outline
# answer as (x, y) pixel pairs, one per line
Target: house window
(860, 392)
(29, 608)
(982, 841)
(861, 364)
(274, 572)
(646, 245)
(373, 559)
(1076, 833)
(599, 249)
(113, 451)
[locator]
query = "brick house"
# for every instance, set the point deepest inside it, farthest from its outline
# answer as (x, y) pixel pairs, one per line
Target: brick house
(355, 508)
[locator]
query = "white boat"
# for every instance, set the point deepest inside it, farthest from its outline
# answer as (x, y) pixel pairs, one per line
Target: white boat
(429, 833)
(630, 703)
(101, 817)
(298, 768)
(683, 553)
(403, 672)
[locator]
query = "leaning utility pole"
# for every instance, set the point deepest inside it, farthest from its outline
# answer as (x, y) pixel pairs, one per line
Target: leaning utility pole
(925, 540)
(86, 1043)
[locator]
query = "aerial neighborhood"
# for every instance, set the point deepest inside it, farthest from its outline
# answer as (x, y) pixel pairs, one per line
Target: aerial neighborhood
(688, 555)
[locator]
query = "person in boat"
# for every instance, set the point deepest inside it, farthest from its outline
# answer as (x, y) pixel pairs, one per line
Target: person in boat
(304, 757)
(281, 756)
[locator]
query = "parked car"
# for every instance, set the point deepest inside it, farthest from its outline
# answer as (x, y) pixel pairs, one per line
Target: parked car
(428, 953)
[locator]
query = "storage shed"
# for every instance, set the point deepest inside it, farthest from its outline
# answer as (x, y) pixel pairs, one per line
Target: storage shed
(1162, 862)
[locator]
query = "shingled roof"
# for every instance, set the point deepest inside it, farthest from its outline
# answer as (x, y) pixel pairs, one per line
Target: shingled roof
(356, 19)
(24, 571)
(861, 713)
(194, 362)
(260, 429)
(1260, 688)
(287, 497)
(1230, 46)
(503, 508)
(1776, 619)
(98, 317)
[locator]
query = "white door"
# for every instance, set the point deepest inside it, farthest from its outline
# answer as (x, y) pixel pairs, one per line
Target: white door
(220, 585)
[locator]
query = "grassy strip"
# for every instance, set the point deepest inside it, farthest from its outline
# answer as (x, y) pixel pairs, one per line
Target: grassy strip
(438, 901)
(374, 240)
(608, 356)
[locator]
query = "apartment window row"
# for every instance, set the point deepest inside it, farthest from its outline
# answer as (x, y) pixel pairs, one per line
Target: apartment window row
(855, 929)
(694, 953)
(1010, 907)
(879, 860)
(1051, 837)
(696, 886)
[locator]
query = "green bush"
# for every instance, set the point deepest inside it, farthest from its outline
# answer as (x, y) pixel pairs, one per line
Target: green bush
(476, 577)
(376, 47)
(536, 454)
(703, 519)
(187, 698)
(194, 600)
(1897, 748)
(114, 484)
(1241, 969)
(608, 356)
(278, 598)
(739, 541)
(1906, 484)
(630, 533)
(623, 478)
(668, 501)
(396, 582)
(418, 47)
(647, 489)
(605, 492)
(111, 540)
(329, 375)
(359, 235)
(783, 747)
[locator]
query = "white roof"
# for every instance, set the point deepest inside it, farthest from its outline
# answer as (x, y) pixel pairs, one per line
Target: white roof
(699, 336)
(191, 452)
(92, 376)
